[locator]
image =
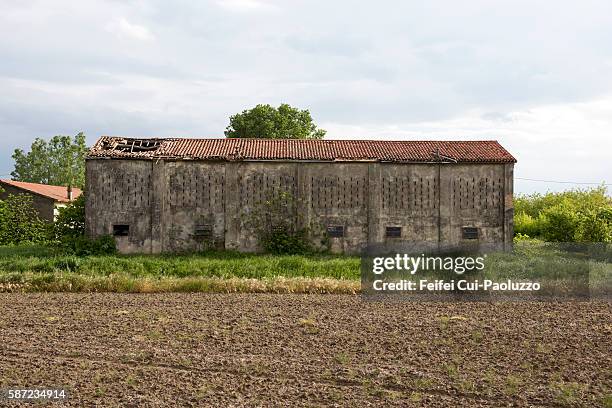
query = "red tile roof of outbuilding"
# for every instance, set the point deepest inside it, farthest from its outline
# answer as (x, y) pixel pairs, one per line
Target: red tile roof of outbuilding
(301, 149)
(56, 193)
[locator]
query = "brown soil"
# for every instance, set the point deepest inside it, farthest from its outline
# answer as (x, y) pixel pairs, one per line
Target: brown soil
(305, 350)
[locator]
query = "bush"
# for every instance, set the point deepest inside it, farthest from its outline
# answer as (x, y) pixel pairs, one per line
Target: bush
(20, 223)
(583, 200)
(69, 230)
(570, 216)
(525, 224)
(595, 226)
(521, 238)
(70, 222)
(560, 223)
(275, 224)
(283, 242)
(82, 245)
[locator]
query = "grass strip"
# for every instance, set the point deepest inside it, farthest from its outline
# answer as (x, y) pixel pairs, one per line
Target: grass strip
(122, 283)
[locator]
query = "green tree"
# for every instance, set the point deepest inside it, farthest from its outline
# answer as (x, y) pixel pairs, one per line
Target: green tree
(560, 222)
(569, 216)
(596, 225)
(70, 222)
(268, 122)
(582, 200)
(60, 161)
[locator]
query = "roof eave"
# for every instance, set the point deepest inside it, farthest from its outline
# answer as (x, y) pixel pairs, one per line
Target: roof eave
(289, 160)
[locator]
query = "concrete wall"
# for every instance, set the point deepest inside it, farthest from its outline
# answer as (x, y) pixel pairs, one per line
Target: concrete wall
(166, 203)
(44, 205)
(123, 193)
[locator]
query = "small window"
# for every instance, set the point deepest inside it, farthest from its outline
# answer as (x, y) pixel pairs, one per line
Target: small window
(121, 230)
(393, 232)
(335, 231)
(470, 233)
(203, 230)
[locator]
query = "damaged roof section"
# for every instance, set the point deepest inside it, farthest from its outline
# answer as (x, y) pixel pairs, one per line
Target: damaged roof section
(301, 150)
(131, 145)
(126, 147)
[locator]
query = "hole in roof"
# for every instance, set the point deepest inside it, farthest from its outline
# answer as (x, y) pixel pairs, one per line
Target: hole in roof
(132, 145)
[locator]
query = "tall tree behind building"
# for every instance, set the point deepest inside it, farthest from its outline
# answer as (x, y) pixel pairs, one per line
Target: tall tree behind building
(60, 161)
(268, 122)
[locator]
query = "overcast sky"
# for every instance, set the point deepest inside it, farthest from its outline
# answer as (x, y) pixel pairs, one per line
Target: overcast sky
(535, 75)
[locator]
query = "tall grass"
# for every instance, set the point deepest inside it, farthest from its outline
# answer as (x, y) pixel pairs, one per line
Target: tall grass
(214, 264)
(39, 268)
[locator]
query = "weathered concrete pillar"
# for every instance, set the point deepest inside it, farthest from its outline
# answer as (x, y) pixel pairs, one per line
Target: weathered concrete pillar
(508, 206)
(232, 206)
(159, 187)
(374, 203)
(303, 195)
(89, 197)
(445, 209)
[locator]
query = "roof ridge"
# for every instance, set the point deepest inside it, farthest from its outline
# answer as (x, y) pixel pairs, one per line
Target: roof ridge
(54, 192)
(301, 149)
(300, 140)
(38, 184)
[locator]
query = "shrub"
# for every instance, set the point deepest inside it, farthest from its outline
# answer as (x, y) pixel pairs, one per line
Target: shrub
(70, 222)
(275, 224)
(570, 216)
(595, 226)
(284, 242)
(525, 224)
(20, 223)
(583, 200)
(69, 230)
(522, 238)
(560, 223)
(82, 245)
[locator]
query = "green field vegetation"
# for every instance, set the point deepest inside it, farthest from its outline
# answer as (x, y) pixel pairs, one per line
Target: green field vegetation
(222, 264)
(569, 216)
(42, 268)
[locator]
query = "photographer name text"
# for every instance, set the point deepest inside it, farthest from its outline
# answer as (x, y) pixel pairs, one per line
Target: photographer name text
(441, 285)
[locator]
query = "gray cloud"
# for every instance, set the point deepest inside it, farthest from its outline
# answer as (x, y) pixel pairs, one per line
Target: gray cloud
(151, 67)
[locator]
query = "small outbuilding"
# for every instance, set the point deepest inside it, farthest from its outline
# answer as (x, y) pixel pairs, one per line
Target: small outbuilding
(45, 198)
(169, 195)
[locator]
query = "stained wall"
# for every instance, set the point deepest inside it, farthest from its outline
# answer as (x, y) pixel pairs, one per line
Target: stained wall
(177, 206)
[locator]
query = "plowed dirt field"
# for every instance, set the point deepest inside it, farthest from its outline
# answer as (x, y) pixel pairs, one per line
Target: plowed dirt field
(304, 350)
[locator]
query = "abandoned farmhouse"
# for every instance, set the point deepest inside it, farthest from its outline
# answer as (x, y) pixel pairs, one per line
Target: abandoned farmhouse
(46, 199)
(169, 195)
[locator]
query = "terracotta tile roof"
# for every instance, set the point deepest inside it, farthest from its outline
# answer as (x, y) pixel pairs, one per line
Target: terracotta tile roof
(296, 149)
(57, 193)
